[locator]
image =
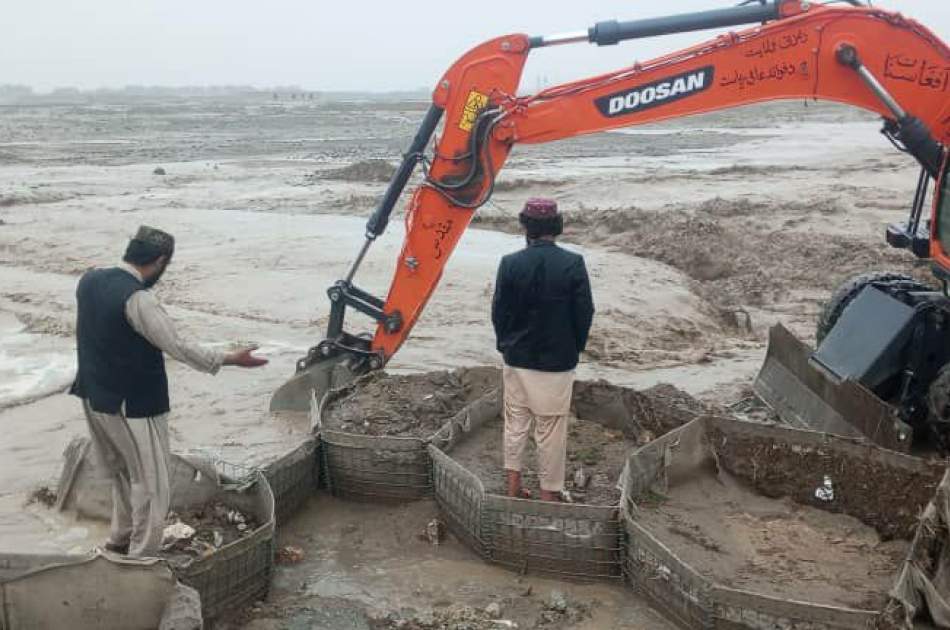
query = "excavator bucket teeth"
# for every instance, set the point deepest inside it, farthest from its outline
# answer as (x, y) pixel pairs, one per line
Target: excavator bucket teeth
(314, 381)
(805, 395)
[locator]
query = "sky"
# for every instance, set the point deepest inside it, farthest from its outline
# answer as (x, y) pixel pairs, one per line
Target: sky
(320, 45)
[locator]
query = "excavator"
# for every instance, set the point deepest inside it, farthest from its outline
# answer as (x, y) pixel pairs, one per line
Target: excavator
(882, 366)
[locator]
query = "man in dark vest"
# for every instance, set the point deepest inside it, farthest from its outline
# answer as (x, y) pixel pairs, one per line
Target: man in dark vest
(122, 332)
(542, 312)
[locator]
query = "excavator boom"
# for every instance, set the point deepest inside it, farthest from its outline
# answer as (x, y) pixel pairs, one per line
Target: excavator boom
(796, 49)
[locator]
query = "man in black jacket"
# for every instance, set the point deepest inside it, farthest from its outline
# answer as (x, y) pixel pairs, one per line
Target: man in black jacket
(542, 311)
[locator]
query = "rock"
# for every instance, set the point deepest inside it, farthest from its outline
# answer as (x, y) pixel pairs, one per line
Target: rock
(493, 610)
(435, 531)
(289, 555)
(158, 171)
(581, 478)
(177, 531)
(557, 602)
(547, 617)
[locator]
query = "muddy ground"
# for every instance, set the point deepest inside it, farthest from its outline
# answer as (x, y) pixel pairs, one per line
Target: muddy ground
(368, 566)
(731, 533)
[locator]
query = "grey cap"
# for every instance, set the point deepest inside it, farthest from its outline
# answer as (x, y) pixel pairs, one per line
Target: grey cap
(163, 240)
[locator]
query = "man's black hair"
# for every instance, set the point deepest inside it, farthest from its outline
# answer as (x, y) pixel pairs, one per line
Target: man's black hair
(142, 252)
(536, 228)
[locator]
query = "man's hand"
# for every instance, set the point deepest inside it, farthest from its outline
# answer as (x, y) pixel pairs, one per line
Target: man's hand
(244, 358)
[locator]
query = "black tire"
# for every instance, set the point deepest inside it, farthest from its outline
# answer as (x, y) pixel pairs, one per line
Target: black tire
(938, 397)
(938, 406)
(845, 294)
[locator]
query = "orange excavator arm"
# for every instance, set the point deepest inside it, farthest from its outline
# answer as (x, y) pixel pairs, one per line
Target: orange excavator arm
(865, 57)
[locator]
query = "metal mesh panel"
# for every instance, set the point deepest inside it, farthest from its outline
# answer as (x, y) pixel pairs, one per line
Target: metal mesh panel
(459, 494)
(293, 479)
(581, 541)
(673, 586)
(369, 467)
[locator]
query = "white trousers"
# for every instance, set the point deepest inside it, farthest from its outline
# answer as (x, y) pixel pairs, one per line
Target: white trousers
(135, 452)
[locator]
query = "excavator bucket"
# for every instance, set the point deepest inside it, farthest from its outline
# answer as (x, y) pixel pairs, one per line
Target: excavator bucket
(313, 381)
(806, 395)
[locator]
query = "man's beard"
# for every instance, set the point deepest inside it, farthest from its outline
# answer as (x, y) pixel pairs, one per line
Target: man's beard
(151, 282)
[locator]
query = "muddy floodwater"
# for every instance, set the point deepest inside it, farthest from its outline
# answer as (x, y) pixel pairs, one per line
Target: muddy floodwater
(699, 234)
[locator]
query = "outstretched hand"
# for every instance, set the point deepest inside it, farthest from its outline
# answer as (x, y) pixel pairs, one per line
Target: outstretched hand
(244, 358)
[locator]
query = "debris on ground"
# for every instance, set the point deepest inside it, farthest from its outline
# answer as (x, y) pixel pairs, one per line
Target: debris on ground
(434, 532)
(42, 495)
(200, 531)
(289, 555)
(158, 171)
(751, 409)
(560, 611)
(453, 618)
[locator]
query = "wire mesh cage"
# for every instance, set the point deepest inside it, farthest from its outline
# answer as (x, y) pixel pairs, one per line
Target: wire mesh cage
(460, 495)
(366, 467)
(575, 541)
(238, 572)
(885, 490)
(567, 540)
(293, 478)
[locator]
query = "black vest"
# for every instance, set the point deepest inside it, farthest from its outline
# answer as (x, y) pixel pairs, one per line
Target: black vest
(116, 364)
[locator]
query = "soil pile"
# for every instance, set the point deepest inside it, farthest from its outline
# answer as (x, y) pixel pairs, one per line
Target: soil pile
(742, 539)
(362, 171)
(641, 415)
(415, 405)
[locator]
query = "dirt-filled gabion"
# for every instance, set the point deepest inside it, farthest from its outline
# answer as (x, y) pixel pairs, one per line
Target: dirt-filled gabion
(823, 523)
(235, 572)
(294, 478)
(374, 432)
(239, 572)
(573, 540)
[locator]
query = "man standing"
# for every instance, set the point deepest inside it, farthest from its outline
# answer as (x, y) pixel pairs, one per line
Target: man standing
(122, 331)
(542, 311)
